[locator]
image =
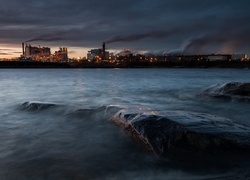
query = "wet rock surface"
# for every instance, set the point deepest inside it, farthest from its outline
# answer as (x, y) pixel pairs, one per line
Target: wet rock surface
(32, 106)
(103, 111)
(229, 91)
(187, 135)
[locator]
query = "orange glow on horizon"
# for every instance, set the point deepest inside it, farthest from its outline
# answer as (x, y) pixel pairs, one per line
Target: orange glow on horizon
(8, 51)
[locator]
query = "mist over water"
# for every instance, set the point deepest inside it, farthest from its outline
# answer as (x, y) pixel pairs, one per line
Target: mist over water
(73, 139)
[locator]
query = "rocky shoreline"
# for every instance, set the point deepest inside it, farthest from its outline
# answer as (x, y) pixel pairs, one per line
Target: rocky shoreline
(183, 136)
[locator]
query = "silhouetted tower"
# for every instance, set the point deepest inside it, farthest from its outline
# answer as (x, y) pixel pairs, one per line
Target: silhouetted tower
(103, 51)
(23, 47)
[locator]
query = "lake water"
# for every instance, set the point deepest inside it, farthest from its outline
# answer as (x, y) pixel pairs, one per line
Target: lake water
(63, 142)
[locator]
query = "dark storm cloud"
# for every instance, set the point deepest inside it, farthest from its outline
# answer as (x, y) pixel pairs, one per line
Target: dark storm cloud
(173, 26)
(142, 35)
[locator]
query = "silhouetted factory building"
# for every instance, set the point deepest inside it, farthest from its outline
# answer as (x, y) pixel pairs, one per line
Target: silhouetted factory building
(61, 55)
(98, 54)
(36, 53)
(44, 54)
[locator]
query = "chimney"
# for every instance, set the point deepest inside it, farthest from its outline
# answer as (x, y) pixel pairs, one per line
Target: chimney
(23, 47)
(103, 51)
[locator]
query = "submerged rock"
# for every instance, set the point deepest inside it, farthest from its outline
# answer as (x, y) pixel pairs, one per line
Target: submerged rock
(186, 135)
(103, 111)
(31, 106)
(233, 90)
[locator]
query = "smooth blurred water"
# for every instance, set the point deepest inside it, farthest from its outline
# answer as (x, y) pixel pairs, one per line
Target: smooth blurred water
(55, 143)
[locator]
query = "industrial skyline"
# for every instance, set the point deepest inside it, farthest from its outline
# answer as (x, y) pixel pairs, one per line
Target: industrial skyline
(160, 26)
(38, 53)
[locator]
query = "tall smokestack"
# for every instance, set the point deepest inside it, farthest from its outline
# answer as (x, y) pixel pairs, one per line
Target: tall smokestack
(23, 47)
(103, 51)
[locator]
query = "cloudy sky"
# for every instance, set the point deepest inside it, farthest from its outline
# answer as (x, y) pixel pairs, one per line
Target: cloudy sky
(159, 26)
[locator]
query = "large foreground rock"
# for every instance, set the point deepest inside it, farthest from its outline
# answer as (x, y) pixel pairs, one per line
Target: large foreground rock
(233, 90)
(186, 135)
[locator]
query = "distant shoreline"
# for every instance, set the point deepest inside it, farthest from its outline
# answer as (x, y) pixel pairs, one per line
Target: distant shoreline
(194, 64)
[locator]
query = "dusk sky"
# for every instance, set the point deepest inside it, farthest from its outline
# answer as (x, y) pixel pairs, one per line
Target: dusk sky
(159, 26)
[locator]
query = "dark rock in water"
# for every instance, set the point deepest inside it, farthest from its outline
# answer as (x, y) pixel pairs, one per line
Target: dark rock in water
(31, 106)
(229, 91)
(186, 135)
